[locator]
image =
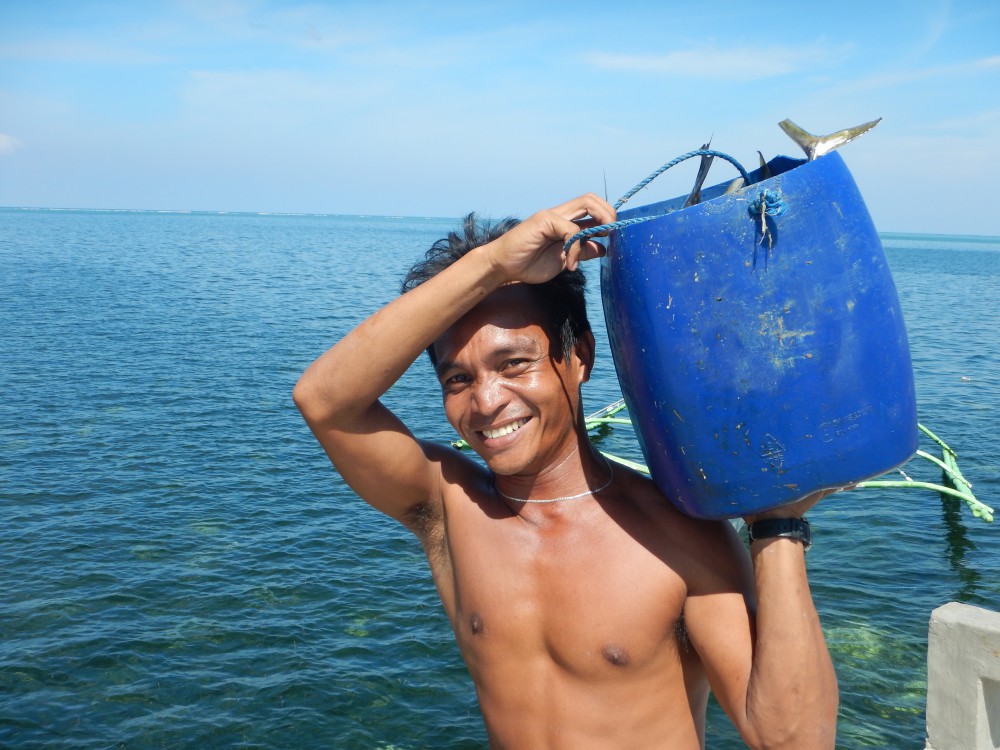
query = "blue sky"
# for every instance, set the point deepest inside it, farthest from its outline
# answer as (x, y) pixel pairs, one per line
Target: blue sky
(436, 109)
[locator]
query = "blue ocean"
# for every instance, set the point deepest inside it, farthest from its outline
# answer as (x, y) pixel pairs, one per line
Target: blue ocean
(182, 568)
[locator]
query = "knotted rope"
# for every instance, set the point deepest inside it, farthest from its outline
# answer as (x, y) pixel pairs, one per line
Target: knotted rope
(769, 202)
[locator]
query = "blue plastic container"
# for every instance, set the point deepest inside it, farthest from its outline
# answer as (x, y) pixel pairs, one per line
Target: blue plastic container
(760, 367)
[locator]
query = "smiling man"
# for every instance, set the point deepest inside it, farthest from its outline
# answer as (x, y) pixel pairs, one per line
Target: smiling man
(590, 613)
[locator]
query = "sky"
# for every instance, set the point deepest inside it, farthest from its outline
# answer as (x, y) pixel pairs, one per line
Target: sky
(441, 108)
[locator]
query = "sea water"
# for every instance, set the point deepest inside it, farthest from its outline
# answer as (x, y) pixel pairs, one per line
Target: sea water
(181, 567)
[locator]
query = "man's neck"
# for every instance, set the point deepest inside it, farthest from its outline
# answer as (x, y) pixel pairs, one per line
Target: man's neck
(577, 473)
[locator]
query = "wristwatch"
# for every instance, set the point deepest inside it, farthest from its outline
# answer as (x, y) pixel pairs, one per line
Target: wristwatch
(790, 528)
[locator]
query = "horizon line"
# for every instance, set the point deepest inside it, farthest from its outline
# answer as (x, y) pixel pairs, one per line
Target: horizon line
(218, 212)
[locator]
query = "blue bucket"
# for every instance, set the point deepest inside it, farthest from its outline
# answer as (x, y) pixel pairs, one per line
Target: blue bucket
(762, 357)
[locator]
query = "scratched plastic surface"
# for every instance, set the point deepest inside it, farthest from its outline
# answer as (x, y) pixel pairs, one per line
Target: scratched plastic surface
(761, 361)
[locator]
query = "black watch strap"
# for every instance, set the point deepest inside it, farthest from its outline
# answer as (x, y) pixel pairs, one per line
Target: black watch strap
(789, 528)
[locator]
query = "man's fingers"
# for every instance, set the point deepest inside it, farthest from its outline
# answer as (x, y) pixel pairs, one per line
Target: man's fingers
(585, 212)
(593, 250)
(572, 256)
(587, 205)
(549, 231)
(582, 251)
(590, 224)
(797, 509)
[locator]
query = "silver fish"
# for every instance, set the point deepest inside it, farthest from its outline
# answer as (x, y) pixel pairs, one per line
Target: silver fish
(734, 186)
(706, 161)
(765, 171)
(816, 146)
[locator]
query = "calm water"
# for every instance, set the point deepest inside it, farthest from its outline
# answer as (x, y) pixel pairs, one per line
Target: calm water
(182, 568)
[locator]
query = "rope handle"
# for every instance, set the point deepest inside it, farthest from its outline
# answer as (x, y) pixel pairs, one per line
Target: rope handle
(603, 228)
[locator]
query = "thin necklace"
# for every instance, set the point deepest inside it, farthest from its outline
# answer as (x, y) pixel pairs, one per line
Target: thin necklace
(611, 477)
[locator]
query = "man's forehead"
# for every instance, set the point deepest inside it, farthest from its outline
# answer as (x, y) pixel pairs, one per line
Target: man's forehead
(508, 318)
(493, 336)
(511, 307)
(517, 297)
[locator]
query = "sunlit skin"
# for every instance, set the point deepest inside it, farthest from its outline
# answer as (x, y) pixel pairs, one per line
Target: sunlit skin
(595, 622)
(547, 663)
(499, 369)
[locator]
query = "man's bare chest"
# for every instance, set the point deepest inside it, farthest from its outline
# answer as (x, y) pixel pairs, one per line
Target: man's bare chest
(588, 597)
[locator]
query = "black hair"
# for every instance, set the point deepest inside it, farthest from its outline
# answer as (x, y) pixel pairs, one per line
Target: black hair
(562, 298)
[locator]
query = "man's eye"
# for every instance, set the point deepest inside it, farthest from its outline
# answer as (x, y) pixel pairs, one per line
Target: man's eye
(456, 379)
(515, 364)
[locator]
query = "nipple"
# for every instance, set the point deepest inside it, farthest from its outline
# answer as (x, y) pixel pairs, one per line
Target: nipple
(476, 623)
(615, 655)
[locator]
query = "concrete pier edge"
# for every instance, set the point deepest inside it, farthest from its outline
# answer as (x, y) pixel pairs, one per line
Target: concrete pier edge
(963, 678)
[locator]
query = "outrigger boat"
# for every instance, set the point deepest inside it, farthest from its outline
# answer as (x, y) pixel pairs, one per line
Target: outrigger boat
(953, 483)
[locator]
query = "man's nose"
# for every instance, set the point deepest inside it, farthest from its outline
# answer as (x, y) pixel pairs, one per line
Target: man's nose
(489, 395)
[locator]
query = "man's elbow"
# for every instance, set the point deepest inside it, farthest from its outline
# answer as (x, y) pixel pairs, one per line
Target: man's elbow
(323, 403)
(306, 397)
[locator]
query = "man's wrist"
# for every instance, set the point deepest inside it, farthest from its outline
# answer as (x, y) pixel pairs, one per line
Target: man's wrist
(796, 529)
(496, 275)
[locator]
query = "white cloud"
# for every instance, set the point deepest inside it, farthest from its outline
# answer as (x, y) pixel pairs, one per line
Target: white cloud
(939, 23)
(8, 144)
(732, 64)
(905, 76)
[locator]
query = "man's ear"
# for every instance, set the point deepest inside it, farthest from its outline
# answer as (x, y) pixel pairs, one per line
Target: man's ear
(583, 351)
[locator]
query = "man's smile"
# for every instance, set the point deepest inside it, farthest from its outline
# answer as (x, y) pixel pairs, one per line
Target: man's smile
(505, 430)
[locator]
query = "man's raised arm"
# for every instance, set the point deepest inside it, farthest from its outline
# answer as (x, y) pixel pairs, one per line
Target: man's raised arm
(338, 395)
(768, 664)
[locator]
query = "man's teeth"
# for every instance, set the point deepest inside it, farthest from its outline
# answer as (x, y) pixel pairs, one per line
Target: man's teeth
(505, 430)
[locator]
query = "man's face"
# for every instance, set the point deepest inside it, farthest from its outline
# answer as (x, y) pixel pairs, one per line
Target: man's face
(504, 391)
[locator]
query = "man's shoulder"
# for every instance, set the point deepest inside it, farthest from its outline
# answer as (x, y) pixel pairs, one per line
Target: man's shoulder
(460, 475)
(643, 493)
(692, 543)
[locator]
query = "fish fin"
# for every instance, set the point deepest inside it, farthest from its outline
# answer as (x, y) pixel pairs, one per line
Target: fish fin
(816, 146)
(706, 161)
(734, 186)
(807, 141)
(829, 142)
(765, 171)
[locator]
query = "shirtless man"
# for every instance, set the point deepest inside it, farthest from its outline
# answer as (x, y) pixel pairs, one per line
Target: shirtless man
(590, 613)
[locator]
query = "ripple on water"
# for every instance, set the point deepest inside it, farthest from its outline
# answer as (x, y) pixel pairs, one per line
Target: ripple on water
(182, 567)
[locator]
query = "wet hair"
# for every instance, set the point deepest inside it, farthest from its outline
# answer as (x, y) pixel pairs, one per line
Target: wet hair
(561, 299)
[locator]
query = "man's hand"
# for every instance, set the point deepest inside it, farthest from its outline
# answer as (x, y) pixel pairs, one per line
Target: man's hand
(532, 252)
(793, 510)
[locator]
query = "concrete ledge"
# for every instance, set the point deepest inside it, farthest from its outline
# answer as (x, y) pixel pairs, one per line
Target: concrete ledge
(963, 679)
